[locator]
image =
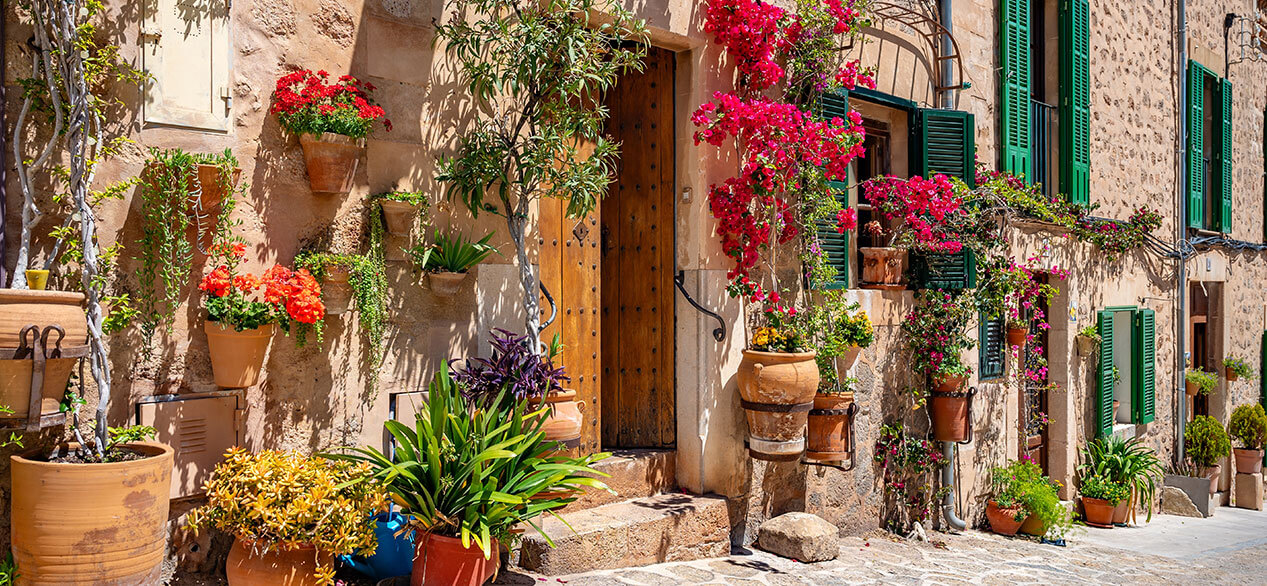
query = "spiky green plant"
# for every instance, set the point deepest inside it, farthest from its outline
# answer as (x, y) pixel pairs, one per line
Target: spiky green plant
(1127, 462)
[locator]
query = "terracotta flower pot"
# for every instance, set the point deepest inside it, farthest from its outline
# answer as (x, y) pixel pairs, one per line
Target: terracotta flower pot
(213, 191)
(22, 307)
(15, 385)
(949, 384)
(91, 523)
(237, 357)
(950, 416)
(1016, 336)
(1214, 473)
(882, 265)
(336, 293)
(829, 429)
(1230, 374)
(331, 160)
(442, 561)
(1034, 525)
(446, 284)
(1248, 461)
(1191, 388)
(398, 216)
(1099, 512)
(777, 392)
(291, 566)
(1086, 345)
(1121, 511)
(563, 424)
(1003, 521)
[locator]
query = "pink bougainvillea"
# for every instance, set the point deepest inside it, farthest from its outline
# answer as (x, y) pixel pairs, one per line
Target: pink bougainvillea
(923, 212)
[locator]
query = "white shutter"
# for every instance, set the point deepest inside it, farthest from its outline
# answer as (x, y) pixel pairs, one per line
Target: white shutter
(185, 50)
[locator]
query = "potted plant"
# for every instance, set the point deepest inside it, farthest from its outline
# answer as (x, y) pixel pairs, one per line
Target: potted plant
(1088, 340)
(1025, 499)
(244, 310)
(918, 214)
(515, 373)
(778, 378)
(448, 259)
(1248, 427)
(881, 265)
(332, 121)
(467, 477)
(1017, 332)
(1130, 463)
(116, 496)
(1206, 444)
(935, 336)
(1006, 509)
(1100, 496)
(401, 210)
(289, 515)
(1199, 382)
(1235, 368)
(334, 273)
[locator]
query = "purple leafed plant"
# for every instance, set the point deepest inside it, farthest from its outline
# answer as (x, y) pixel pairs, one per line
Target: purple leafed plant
(513, 366)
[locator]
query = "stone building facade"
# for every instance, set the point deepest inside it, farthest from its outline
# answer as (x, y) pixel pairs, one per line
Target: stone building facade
(318, 397)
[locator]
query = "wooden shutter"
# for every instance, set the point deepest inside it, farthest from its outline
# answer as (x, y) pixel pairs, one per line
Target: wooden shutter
(990, 336)
(835, 245)
(1075, 101)
(1196, 117)
(1262, 373)
(1144, 347)
(946, 144)
(1104, 411)
(1224, 159)
(185, 49)
(1015, 86)
(953, 272)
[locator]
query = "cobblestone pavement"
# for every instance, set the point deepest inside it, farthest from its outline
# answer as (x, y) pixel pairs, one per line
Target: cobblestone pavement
(971, 558)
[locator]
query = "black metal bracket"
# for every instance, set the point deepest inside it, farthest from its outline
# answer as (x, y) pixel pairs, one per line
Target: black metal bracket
(554, 309)
(852, 412)
(972, 392)
(719, 333)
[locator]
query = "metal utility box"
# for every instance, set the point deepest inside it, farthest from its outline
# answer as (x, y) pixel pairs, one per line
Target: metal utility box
(200, 428)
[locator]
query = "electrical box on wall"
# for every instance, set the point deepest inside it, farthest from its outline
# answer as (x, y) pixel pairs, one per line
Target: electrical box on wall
(404, 407)
(200, 428)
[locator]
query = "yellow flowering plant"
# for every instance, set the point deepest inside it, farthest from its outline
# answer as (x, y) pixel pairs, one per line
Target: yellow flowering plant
(836, 325)
(284, 500)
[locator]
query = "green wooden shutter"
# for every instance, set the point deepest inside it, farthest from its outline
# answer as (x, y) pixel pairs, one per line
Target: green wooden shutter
(1225, 156)
(1075, 101)
(952, 272)
(1144, 350)
(1015, 86)
(1104, 415)
(1262, 374)
(990, 336)
(836, 245)
(1196, 142)
(946, 142)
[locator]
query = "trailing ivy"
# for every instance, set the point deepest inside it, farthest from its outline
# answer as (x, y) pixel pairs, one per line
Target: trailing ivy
(171, 202)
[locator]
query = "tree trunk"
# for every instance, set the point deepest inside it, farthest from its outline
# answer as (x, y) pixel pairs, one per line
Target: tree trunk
(529, 280)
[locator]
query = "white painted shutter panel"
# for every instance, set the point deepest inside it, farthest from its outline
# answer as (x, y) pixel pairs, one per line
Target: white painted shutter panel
(185, 50)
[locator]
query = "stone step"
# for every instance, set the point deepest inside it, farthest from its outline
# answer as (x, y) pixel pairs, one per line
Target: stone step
(638, 532)
(634, 474)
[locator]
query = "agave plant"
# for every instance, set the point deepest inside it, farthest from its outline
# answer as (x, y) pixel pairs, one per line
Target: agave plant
(476, 473)
(451, 253)
(1125, 461)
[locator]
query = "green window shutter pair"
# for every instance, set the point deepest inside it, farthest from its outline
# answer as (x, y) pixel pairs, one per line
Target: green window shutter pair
(951, 271)
(1144, 346)
(1221, 161)
(946, 142)
(1196, 143)
(1224, 157)
(836, 245)
(1075, 101)
(991, 359)
(1015, 86)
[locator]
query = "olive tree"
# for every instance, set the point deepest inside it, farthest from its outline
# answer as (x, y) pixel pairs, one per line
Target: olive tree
(536, 70)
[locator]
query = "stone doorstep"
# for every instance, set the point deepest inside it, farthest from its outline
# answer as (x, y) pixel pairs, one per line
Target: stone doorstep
(638, 532)
(634, 474)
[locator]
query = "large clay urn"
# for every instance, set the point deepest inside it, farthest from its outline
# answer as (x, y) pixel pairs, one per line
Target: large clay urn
(237, 357)
(777, 391)
(331, 160)
(22, 307)
(882, 265)
(398, 216)
(442, 561)
(99, 524)
(294, 565)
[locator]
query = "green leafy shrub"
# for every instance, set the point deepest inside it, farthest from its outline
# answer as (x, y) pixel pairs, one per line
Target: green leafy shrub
(1098, 487)
(1205, 442)
(1249, 426)
(1206, 381)
(1127, 462)
(1022, 483)
(1239, 366)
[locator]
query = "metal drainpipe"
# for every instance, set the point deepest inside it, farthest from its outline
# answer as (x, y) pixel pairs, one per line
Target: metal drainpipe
(1181, 231)
(948, 448)
(4, 148)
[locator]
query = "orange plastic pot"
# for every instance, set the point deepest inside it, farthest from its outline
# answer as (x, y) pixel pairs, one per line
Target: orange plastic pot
(442, 561)
(22, 307)
(1003, 521)
(295, 565)
(237, 357)
(1099, 512)
(99, 524)
(777, 392)
(331, 160)
(398, 216)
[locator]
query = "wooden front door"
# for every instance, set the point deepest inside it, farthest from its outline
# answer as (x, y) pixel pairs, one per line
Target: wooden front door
(637, 378)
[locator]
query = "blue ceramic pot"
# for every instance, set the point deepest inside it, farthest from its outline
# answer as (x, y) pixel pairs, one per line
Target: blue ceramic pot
(395, 553)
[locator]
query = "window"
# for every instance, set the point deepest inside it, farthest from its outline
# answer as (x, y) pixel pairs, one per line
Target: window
(1127, 367)
(1209, 112)
(991, 339)
(185, 50)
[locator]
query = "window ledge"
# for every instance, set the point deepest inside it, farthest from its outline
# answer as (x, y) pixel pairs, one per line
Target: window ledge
(1124, 430)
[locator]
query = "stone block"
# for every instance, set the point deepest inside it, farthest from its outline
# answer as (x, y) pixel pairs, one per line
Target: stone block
(632, 474)
(1196, 489)
(800, 536)
(1174, 501)
(1249, 491)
